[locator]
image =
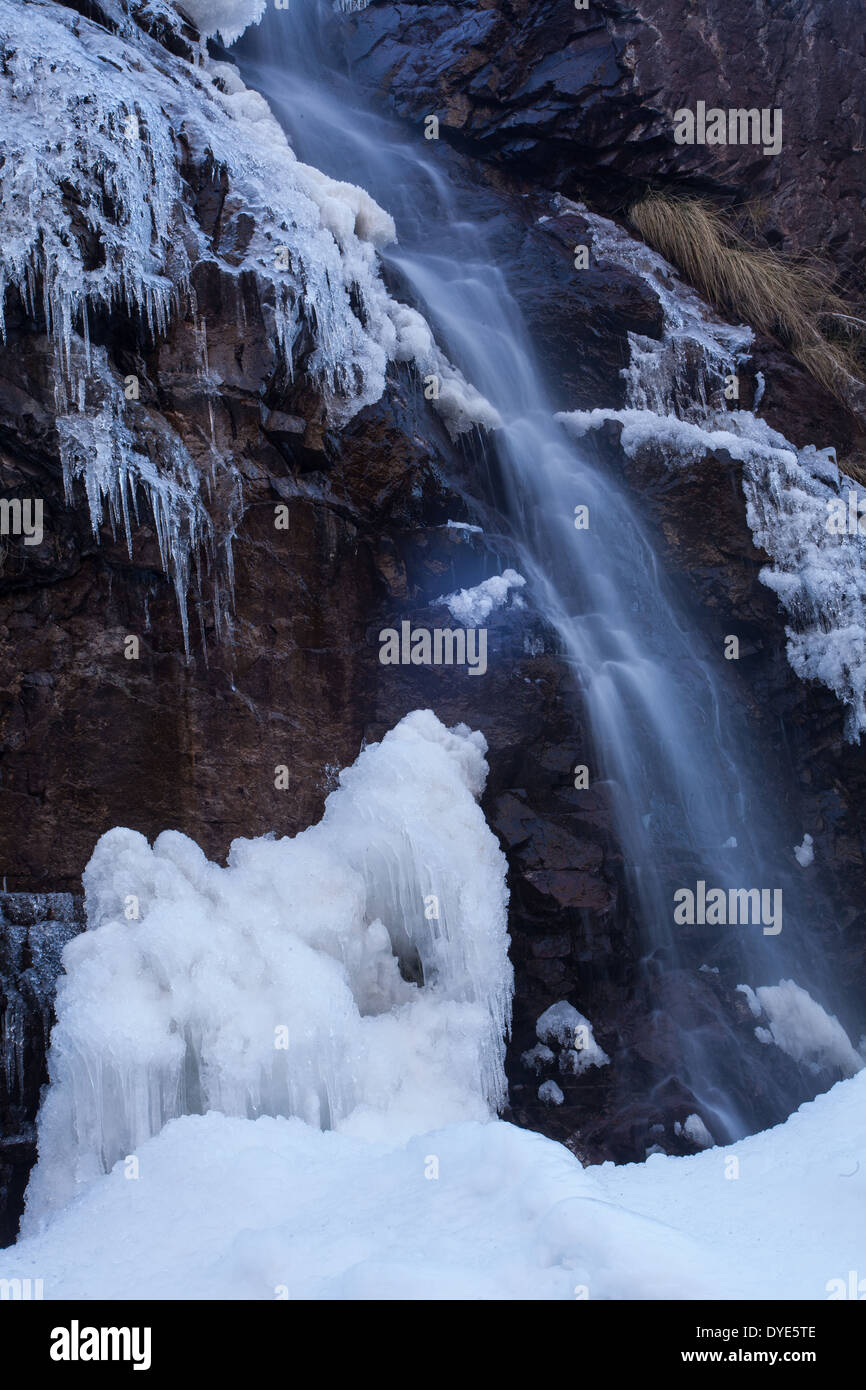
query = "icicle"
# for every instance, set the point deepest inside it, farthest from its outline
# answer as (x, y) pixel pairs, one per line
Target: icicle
(100, 112)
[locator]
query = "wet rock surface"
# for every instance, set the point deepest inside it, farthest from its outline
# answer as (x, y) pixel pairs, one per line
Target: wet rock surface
(543, 98)
(576, 100)
(34, 928)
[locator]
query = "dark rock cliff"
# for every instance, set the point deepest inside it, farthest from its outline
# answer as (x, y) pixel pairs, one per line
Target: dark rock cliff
(570, 98)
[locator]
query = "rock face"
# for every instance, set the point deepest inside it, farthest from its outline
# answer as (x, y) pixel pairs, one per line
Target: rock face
(34, 928)
(342, 533)
(584, 99)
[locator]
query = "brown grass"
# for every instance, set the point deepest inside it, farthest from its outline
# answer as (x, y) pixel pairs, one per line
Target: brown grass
(790, 300)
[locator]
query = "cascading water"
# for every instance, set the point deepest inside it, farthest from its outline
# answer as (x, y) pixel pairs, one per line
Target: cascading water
(666, 737)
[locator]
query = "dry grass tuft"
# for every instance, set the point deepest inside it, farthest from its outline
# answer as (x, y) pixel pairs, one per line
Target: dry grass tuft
(790, 300)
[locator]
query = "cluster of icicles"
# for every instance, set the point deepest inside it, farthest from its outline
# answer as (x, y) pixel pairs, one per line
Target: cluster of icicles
(113, 116)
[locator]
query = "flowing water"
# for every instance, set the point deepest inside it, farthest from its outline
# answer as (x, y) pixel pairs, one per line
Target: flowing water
(666, 735)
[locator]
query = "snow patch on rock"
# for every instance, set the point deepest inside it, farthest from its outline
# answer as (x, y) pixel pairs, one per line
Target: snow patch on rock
(550, 1094)
(562, 1023)
(817, 569)
(472, 607)
(803, 1029)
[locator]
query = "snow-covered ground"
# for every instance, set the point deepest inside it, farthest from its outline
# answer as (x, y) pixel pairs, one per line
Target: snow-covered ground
(230, 1208)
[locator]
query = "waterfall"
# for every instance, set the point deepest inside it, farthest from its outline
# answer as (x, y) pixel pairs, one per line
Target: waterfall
(284, 1076)
(668, 741)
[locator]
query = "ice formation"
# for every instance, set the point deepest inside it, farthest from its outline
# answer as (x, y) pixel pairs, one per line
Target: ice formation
(103, 113)
(538, 1057)
(563, 1024)
(472, 607)
(228, 18)
(793, 496)
(115, 118)
(117, 464)
(34, 928)
(355, 976)
(751, 999)
(803, 1029)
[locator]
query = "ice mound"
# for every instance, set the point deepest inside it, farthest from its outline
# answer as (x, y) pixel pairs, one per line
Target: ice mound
(355, 976)
(472, 607)
(803, 1029)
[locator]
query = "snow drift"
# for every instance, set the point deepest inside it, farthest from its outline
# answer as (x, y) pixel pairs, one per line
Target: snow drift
(227, 1208)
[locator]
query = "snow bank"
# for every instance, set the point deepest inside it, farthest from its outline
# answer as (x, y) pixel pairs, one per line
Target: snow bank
(793, 496)
(227, 1208)
(355, 976)
(473, 607)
